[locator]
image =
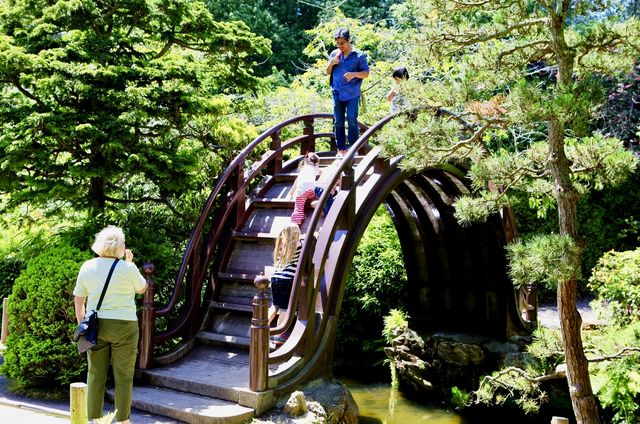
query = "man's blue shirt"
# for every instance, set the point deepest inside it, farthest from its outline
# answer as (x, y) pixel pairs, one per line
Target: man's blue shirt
(356, 61)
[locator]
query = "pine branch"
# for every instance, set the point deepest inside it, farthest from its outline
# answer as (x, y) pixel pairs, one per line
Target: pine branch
(470, 39)
(522, 47)
(625, 351)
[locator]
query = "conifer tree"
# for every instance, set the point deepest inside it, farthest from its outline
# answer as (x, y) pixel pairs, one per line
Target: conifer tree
(115, 101)
(521, 80)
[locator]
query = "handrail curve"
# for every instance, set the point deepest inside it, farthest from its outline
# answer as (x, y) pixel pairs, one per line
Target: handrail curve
(236, 165)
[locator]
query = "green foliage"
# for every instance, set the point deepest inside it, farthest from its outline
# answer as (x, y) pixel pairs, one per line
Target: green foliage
(616, 382)
(102, 105)
(40, 353)
(616, 282)
(376, 285)
(460, 398)
(283, 22)
(614, 371)
(607, 220)
(546, 349)
(394, 323)
(618, 388)
(546, 259)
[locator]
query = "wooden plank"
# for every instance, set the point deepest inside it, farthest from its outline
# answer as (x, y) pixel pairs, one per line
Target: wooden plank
(250, 257)
(232, 306)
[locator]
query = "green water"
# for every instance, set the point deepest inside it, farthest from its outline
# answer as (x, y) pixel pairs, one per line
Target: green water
(379, 403)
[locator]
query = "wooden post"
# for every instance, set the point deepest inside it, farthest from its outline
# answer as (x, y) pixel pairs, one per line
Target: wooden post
(78, 403)
(275, 165)
(259, 337)
(531, 300)
(148, 322)
(237, 178)
(347, 184)
(559, 420)
(5, 320)
(309, 143)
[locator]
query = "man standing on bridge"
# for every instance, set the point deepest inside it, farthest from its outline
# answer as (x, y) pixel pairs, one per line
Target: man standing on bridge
(347, 68)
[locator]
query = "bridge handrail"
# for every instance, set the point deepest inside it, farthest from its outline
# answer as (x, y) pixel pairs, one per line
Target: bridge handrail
(235, 166)
(345, 163)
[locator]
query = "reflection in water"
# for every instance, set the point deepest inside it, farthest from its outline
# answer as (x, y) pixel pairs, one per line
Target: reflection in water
(380, 404)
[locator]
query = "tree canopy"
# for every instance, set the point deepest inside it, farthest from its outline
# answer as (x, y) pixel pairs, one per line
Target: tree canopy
(117, 101)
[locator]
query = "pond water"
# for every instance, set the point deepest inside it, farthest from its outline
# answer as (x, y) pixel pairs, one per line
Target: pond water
(380, 404)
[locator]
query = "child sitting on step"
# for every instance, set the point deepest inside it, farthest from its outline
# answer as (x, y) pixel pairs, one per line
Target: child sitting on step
(286, 254)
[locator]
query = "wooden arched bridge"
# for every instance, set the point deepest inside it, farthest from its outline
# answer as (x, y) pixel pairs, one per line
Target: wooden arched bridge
(221, 368)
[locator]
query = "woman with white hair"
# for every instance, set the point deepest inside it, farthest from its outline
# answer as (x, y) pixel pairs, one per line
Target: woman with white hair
(117, 320)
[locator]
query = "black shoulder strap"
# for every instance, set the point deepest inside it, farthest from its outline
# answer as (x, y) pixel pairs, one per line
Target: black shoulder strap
(106, 284)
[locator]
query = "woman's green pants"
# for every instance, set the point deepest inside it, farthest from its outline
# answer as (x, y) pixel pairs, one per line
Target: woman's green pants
(117, 346)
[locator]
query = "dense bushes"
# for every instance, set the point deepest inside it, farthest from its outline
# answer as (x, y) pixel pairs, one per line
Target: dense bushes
(616, 282)
(376, 285)
(40, 354)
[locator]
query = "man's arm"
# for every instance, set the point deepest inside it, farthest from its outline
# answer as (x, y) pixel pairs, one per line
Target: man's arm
(333, 61)
(351, 75)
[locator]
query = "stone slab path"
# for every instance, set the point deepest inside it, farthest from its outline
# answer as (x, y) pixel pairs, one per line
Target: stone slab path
(548, 315)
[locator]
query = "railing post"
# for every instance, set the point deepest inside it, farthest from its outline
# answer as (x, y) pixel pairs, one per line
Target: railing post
(259, 337)
(531, 300)
(347, 184)
(236, 182)
(275, 165)
(5, 321)
(309, 143)
(148, 320)
(78, 403)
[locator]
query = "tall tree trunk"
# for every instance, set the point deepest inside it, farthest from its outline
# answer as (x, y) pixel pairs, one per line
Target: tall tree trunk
(585, 407)
(97, 197)
(583, 401)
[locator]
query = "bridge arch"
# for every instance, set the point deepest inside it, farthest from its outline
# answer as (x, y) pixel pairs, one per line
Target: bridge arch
(456, 275)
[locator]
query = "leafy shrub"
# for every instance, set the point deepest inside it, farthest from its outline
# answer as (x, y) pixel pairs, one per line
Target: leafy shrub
(40, 353)
(376, 285)
(395, 322)
(616, 281)
(616, 382)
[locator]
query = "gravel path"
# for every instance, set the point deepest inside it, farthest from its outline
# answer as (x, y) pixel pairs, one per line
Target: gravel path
(548, 315)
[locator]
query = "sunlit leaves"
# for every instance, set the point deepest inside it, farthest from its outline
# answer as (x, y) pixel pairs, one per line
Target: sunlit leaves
(548, 259)
(117, 96)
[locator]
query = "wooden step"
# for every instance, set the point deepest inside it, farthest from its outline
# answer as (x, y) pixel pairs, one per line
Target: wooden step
(251, 256)
(227, 306)
(186, 407)
(279, 190)
(252, 235)
(233, 276)
(273, 202)
(271, 220)
(206, 370)
(216, 339)
(285, 177)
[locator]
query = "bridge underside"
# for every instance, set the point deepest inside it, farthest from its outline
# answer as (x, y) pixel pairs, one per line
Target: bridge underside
(456, 276)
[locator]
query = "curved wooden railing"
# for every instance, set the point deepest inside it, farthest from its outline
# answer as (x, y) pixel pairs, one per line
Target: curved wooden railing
(308, 338)
(200, 250)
